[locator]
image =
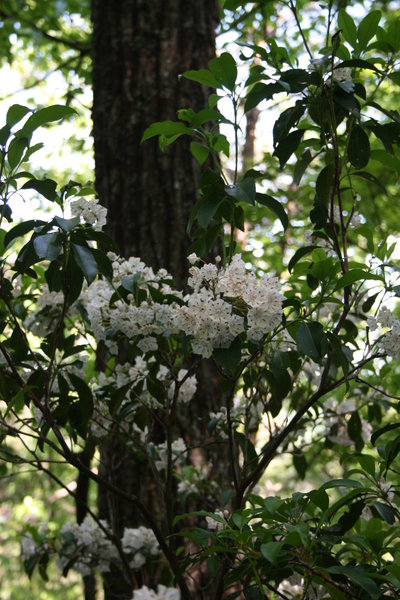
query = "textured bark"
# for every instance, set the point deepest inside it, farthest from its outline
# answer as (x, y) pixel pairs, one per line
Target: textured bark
(140, 47)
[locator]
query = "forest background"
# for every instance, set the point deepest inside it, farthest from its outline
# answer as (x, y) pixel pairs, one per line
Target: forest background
(292, 48)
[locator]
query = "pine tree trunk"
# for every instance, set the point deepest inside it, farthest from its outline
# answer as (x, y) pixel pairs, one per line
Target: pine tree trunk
(140, 47)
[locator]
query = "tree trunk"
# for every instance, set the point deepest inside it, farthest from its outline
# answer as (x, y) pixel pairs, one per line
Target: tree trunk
(140, 47)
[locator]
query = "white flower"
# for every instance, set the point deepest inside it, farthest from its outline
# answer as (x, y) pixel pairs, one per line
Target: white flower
(163, 593)
(372, 323)
(178, 450)
(90, 211)
(193, 258)
(387, 489)
(148, 344)
(213, 524)
(141, 543)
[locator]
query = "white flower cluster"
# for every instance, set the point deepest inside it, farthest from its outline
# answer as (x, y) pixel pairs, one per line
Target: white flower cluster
(47, 313)
(132, 375)
(187, 387)
(205, 314)
(390, 342)
(162, 593)
(243, 412)
(197, 481)
(90, 211)
(87, 546)
(214, 524)
(178, 451)
(140, 544)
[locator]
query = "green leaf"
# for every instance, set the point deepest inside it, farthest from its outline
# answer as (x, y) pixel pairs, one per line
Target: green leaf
(298, 255)
(368, 27)
(167, 129)
(199, 151)
(337, 483)
(300, 464)
(301, 166)
(4, 135)
(382, 430)
(272, 550)
(275, 206)
(369, 177)
(385, 512)
(67, 224)
(224, 69)
(324, 183)
(311, 340)
(287, 146)
(288, 119)
(367, 463)
(207, 207)
(86, 262)
(358, 150)
(48, 246)
(356, 275)
(320, 498)
(229, 358)
(16, 150)
(80, 412)
(262, 91)
(245, 191)
(15, 113)
(202, 76)
(347, 25)
(44, 116)
(358, 63)
(357, 575)
(45, 187)
(21, 229)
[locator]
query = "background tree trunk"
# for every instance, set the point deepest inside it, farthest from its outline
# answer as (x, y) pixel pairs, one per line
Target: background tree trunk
(140, 47)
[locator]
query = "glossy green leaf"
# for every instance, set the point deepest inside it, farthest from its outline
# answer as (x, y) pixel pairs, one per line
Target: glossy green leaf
(298, 255)
(15, 113)
(48, 246)
(275, 206)
(16, 150)
(45, 187)
(356, 276)
(368, 27)
(229, 358)
(348, 27)
(86, 262)
(224, 69)
(320, 498)
(204, 77)
(271, 551)
(199, 151)
(43, 117)
(358, 150)
(167, 129)
(21, 229)
(67, 224)
(287, 146)
(311, 340)
(244, 191)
